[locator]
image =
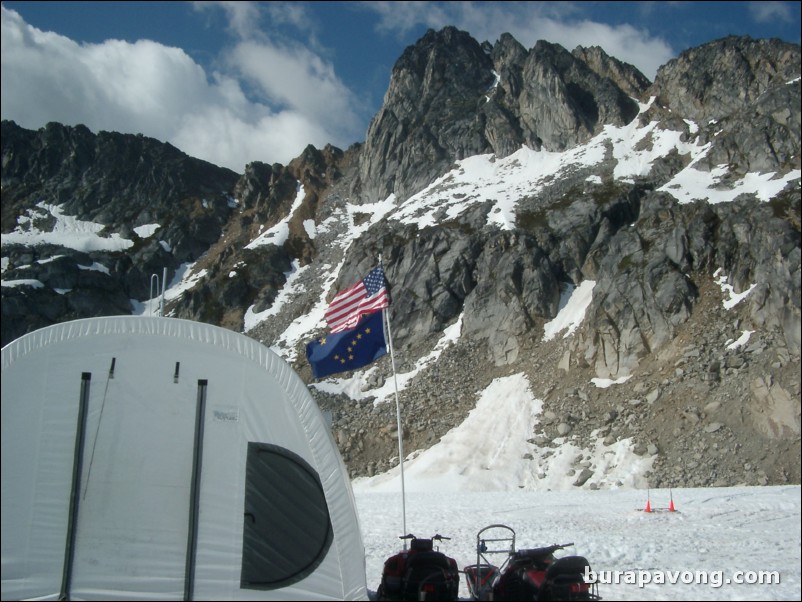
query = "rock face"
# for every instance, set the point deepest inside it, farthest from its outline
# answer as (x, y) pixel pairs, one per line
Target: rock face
(708, 411)
(450, 98)
(118, 182)
(743, 93)
(429, 116)
(720, 79)
(121, 183)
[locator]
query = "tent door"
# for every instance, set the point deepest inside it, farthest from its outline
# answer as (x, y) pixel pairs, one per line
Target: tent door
(135, 528)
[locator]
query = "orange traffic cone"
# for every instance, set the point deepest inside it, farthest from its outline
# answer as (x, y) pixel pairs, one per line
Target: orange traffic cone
(671, 503)
(648, 506)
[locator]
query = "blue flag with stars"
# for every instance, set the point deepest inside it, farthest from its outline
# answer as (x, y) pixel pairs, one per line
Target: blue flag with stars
(348, 349)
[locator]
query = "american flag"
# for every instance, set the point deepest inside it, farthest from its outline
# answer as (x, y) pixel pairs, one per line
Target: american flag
(365, 297)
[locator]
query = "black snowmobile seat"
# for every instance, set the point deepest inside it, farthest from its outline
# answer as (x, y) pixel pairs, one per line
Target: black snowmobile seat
(421, 545)
(433, 559)
(568, 566)
(565, 580)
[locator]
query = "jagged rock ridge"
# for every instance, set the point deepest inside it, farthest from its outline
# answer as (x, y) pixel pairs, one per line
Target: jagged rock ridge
(450, 98)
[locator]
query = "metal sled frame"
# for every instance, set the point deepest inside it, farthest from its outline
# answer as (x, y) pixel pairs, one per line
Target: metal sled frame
(482, 576)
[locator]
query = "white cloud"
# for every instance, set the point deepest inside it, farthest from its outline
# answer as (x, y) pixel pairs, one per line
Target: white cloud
(529, 22)
(766, 12)
(140, 85)
(270, 137)
(242, 17)
(295, 77)
(284, 104)
(624, 42)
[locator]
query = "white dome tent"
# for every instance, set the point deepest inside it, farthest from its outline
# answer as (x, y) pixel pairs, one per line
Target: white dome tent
(157, 458)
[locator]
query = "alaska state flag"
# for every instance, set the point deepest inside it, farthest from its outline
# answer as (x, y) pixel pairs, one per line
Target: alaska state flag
(348, 349)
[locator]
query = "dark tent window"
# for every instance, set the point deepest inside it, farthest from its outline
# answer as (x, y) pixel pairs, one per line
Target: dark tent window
(286, 530)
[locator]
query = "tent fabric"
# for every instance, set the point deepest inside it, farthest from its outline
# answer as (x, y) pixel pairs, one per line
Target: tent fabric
(138, 532)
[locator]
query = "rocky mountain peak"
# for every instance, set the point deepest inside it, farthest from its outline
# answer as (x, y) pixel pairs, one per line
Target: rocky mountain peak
(508, 56)
(428, 118)
(450, 98)
(626, 76)
(719, 78)
(741, 94)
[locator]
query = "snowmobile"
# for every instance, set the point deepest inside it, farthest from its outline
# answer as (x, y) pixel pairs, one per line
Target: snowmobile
(421, 572)
(526, 574)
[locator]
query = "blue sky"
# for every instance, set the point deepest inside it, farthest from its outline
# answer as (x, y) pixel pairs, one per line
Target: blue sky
(235, 82)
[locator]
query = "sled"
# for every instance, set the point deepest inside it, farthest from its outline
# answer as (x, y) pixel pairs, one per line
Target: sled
(482, 576)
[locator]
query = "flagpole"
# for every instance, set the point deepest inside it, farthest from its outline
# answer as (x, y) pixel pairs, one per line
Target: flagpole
(398, 420)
